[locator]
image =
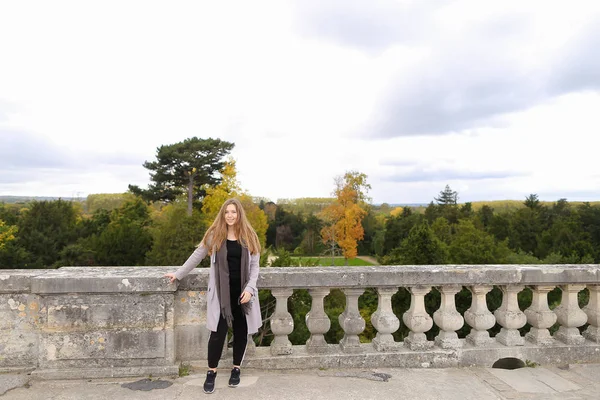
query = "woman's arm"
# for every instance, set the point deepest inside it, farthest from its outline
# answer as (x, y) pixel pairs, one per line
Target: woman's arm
(192, 262)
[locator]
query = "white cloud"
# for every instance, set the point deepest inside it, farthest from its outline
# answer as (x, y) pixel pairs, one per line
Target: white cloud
(102, 85)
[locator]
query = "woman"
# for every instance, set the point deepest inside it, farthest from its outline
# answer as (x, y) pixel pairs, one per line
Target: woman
(232, 298)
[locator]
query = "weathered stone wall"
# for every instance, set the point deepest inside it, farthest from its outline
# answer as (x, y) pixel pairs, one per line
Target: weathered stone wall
(108, 321)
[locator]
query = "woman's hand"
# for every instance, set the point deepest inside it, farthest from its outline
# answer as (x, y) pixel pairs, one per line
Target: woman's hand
(245, 297)
(171, 277)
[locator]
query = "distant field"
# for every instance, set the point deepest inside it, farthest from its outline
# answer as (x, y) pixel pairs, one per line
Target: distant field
(509, 205)
(326, 261)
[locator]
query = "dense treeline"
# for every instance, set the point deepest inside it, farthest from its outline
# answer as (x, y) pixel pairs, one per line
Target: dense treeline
(49, 234)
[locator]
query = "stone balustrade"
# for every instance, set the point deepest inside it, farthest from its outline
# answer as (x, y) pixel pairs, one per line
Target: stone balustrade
(130, 321)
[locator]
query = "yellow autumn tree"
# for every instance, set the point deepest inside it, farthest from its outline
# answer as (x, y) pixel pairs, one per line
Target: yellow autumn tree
(228, 188)
(396, 211)
(7, 233)
(216, 195)
(343, 218)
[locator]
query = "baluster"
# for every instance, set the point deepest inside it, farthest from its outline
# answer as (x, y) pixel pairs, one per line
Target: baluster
(317, 321)
(384, 320)
(593, 313)
(448, 319)
(479, 318)
(510, 317)
(570, 316)
(250, 347)
(417, 319)
(540, 317)
(282, 323)
(351, 321)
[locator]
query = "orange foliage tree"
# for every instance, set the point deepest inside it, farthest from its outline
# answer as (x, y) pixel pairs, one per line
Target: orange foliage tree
(343, 218)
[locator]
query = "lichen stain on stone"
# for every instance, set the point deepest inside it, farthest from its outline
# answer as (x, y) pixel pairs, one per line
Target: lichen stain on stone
(101, 340)
(33, 306)
(22, 307)
(22, 314)
(183, 299)
(191, 294)
(13, 304)
(126, 282)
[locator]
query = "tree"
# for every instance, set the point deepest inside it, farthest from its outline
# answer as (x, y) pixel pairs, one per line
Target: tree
(227, 188)
(447, 197)
(485, 214)
(442, 230)
(285, 230)
(525, 228)
(256, 217)
(419, 248)
(175, 234)
(473, 246)
(532, 202)
(184, 167)
(230, 187)
(106, 201)
(126, 239)
(345, 215)
(45, 229)
(398, 228)
(310, 244)
(7, 233)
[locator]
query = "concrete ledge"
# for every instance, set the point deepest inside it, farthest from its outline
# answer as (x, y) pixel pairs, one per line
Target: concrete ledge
(150, 279)
(412, 275)
(18, 280)
(103, 280)
(118, 372)
(401, 357)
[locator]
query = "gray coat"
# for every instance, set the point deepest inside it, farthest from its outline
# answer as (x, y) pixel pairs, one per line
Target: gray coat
(213, 311)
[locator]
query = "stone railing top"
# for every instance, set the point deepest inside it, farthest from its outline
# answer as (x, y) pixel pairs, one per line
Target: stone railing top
(103, 280)
(18, 280)
(429, 275)
(151, 279)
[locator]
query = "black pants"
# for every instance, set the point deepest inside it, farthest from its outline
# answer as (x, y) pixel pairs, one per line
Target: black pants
(240, 331)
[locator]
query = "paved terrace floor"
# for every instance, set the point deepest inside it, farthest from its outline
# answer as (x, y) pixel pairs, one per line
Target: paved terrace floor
(556, 382)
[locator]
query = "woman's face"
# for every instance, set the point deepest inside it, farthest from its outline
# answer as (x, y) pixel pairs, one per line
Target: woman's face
(231, 215)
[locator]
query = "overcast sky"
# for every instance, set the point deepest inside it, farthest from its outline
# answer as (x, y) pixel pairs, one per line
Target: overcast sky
(498, 99)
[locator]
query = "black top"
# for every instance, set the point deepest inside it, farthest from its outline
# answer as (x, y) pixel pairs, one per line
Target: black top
(234, 259)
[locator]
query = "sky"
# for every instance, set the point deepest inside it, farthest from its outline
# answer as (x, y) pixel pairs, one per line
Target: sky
(499, 100)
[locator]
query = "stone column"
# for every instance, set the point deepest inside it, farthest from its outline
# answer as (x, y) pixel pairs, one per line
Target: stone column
(570, 316)
(479, 317)
(351, 321)
(448, 319)
(417, 319)
(384, 320)
(540, 317)
(250, 347)
(593, 313)
(282, 323)
(510, 317)
(317, 321)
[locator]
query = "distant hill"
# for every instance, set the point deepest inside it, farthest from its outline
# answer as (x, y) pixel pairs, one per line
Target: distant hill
(26, 199)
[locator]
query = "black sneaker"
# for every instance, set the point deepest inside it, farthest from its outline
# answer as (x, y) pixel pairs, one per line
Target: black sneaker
(209, 383)
(234, 379)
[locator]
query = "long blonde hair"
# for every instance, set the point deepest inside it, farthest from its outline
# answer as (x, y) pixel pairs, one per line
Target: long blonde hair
(217, 233)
